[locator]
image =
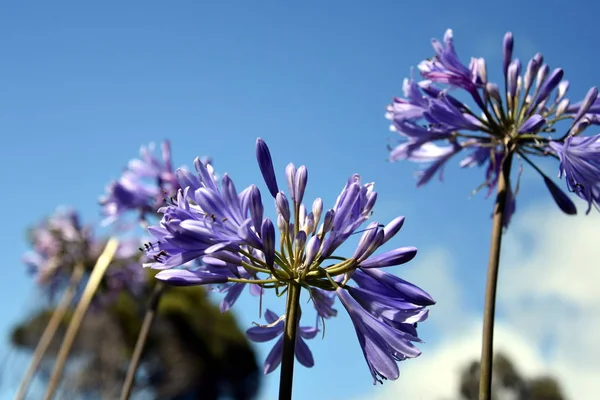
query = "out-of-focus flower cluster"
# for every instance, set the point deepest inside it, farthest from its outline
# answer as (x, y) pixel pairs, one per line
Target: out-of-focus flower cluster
(142, 186)
(517, 121)
(60, 244)
(227, 236)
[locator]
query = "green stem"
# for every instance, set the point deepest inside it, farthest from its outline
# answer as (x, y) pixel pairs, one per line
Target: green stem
(487, 348)
(134, 364)
(88, 293)
(289, 341)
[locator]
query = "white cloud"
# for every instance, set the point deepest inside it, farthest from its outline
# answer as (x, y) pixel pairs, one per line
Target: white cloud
(550, 302)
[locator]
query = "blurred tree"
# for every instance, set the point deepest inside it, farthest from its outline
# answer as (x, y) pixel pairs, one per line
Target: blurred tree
(507, 383)
(194, 351)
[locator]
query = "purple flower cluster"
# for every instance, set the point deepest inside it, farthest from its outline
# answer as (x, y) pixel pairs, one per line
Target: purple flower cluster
(226, 232)
(142, 187)
(60, 243)
(436, 125)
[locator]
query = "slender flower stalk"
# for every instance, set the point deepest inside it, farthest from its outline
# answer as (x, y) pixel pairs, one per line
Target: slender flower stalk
(227, 232)
(90, 289)
(489, 310)
(140, 344)
(50, 330)
(516, 122)
(286, 378)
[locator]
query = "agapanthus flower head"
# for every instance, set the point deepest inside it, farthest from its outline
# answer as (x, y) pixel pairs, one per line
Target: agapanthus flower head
(60, 243)
(143, 185)
(517, 122)
(237, 245)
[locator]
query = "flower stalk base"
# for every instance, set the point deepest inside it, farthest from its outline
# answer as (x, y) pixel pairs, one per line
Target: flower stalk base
(289, 341)
(489, 311)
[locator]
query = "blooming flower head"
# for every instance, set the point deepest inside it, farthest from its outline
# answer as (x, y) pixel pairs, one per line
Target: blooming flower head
(143, 185)
(237, 245)
(435, 125)
(60, 244)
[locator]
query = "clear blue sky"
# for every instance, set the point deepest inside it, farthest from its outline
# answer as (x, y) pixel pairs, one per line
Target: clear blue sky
(84, 85)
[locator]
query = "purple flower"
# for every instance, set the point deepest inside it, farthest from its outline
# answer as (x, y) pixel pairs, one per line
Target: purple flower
(384, 343)
(60, 244)
(435, 126)
(323, 302)
(234, 245)
(276, 328)
(143, 186)
(580, 164)
(445, 66)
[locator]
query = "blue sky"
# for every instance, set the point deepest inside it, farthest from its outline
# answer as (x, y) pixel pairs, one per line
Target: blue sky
(84, 85)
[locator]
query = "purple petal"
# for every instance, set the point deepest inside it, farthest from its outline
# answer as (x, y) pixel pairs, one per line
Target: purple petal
(547, 87)
(231, 198)
(303, 353)
(184, 277)
(205, 175)
(270, 316)
(260, 334)
(390, 258)
(392, 228)
(233, 293)
(268, 238)
(249, 236)
(256, 207)
(308, 332)
(406, 289)
(562, 200)
(590, 98)
(265, 163)
(366, 239)
(507, 51)
(274, 357)
(312, 248)
(283, 206)
(255, 290)
(514, 69)
(290, 174)
(533, 124)
(300, 181)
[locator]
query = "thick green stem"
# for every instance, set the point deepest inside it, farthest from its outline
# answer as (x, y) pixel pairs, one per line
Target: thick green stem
(289, 341)
(489, 311)
(151, 312)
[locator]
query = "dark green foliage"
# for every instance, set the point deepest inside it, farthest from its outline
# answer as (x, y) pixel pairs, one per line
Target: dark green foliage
(194, 351)
(507, 379)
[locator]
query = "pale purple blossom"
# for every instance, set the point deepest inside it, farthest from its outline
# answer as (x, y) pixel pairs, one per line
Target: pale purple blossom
(435, 126)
